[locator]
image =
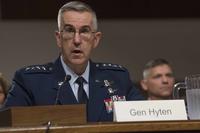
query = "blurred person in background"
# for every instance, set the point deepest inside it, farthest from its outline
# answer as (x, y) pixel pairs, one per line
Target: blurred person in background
(3, 89)
(158, 80)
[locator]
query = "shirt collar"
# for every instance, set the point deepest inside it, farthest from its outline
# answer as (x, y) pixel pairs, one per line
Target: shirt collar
(74, 76)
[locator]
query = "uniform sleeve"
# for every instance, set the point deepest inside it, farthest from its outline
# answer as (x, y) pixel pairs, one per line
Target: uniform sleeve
(133, 92)
(18, 94)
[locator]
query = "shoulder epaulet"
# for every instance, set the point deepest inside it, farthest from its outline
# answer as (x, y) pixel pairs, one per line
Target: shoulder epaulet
(46, 68)
(110, 66)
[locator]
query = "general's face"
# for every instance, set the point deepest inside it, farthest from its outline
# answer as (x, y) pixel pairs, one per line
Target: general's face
(76, 50)
(159, 83)
(2, 95)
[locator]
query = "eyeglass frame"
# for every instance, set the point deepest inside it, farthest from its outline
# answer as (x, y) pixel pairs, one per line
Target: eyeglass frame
(74, 31)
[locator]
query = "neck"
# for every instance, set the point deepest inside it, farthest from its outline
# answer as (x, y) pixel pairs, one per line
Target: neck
(78, 69)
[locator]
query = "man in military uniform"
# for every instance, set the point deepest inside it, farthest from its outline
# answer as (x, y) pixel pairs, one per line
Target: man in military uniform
(73, 78)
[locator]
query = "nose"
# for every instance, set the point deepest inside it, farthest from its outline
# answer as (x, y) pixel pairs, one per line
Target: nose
(165, 80)
(77, 39)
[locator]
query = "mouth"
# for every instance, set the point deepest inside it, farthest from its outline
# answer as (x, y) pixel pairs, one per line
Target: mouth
(77, 52)
(167, 88)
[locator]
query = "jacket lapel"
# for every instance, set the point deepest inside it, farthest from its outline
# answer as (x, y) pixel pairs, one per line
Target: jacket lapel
(62, 87)
(97, 94)
(66, 95)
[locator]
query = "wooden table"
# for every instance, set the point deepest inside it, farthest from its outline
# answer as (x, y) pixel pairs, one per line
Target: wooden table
(187, 126)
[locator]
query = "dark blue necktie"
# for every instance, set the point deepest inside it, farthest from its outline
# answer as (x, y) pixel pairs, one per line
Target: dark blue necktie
(82, 96)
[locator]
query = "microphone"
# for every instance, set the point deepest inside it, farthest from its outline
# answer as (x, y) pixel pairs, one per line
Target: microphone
(67, 78)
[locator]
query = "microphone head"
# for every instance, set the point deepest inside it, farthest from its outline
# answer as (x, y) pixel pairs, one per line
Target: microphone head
(67, 77)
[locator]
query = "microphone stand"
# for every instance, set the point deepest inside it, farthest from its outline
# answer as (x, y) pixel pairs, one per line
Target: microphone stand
(67, 78)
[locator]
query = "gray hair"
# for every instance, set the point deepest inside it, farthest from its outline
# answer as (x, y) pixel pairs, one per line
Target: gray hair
(152, 64)
(79, 7)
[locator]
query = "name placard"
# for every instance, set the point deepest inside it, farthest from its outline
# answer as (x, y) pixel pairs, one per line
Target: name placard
(149, 110)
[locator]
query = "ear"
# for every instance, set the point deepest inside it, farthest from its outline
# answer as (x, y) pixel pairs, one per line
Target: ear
(97, 38)
(58, 38)
(143, 83)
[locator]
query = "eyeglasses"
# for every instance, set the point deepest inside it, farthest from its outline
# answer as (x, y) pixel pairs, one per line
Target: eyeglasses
(84, 32)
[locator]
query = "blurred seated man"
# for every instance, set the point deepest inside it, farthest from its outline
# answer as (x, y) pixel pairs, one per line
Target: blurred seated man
(3, 89)
(74, 78)
(158, 80)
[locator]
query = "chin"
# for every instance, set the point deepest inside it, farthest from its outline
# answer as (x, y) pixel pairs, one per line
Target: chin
(78, 61)
(166, 95)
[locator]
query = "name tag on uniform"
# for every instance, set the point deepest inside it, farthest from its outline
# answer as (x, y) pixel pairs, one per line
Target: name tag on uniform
(149, 110)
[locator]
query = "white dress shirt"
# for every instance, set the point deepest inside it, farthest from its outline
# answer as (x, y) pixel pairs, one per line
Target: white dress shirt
(74, 76)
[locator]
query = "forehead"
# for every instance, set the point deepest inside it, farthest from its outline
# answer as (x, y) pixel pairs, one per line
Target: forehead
(77, 19)
(161, 69)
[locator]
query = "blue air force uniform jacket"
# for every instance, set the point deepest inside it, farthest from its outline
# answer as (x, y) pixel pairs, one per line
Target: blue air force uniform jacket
(39, 84)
